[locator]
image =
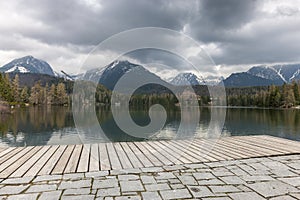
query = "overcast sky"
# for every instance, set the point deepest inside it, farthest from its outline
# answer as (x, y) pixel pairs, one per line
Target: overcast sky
(236, 34)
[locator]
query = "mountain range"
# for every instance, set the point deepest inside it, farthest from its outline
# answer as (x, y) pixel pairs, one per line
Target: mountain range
(262, 75)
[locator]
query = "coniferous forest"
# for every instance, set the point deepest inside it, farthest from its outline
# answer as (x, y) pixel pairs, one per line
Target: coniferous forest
(285, 96)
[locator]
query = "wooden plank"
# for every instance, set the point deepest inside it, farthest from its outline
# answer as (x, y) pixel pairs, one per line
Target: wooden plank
(178, 153)
(272, 145)
(83, 165)
(148, 154)
(238, 148)
(260, 151)
(132, 157)
(126, 164)
(34, 170)
(191, 151)
(30, 162)
(158, 154)
(143, 159)
(165, 152)
(271, 150)
(113, 157)
(225, 150)
(94, 159)
(205, 150)
(17, 163)
(74, 159)
(284, 141)
(13, 159)
(6, 151)
(287, 144)
(11, 154)
(63, 160)
(104, 159)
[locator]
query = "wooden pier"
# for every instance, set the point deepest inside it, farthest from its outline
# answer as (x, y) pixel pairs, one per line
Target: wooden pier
(61, 159)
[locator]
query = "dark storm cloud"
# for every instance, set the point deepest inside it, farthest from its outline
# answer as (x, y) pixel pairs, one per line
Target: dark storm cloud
(79, 22)
(233, 32)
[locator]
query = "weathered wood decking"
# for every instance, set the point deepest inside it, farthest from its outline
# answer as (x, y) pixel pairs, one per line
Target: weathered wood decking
(60, 159)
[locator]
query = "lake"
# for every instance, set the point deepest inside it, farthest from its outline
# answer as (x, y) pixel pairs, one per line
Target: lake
(55, 125)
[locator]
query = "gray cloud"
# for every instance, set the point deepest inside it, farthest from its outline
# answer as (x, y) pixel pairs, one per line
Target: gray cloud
(235, 33)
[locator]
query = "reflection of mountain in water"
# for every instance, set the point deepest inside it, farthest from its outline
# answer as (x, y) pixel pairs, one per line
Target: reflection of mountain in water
(33, 125)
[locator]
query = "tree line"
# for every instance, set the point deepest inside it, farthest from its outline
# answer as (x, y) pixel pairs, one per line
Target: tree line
(285, 96)
(12, 92)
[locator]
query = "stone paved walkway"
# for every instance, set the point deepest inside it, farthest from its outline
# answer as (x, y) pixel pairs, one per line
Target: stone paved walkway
(256, 178)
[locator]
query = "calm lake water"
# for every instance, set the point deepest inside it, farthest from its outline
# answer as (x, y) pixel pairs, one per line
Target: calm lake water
(55, 125)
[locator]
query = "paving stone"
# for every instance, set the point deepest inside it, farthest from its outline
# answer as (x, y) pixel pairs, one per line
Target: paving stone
(96, 174)
(129, 193)
(75, 184)
(177, 186)
(78, 197)
(127, 177)
(272, 188)
(210, 182)
(73, 176)
(233, 180)
(203, 176)
(296, 195)
(195, 166)
(223, 188)
(257, 178)
(41, 188)
(275, 165)
(157, 187)
(243, 188)
(128, 197)
(53, 195)
(216, 198)
(175, 194)
(47, 178)
(131, 186)
(283, 173)
(294, 165)
(125, 171)
(164, 175)
(294, 181)
(109, 192)
(258, 166)
(174, 181)
(23, 197)
(152, 169)
(188, 180)
(12, 189)
(17, 181)
(151, 196)
(239, 172)
(222, 173)
(200, 191)
(246, 196)
(147, 179)
(285, 197)
(107, 183)
(77, 191)
(173, 167)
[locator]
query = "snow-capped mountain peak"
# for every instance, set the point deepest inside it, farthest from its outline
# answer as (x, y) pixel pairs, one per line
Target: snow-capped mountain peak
(27, 64)
(186, 79)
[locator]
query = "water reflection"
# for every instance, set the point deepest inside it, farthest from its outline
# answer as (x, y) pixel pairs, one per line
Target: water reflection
(55, 125)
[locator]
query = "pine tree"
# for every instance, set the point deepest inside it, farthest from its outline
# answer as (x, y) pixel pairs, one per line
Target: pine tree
(16, 88)
(24, 95)
(62, 97)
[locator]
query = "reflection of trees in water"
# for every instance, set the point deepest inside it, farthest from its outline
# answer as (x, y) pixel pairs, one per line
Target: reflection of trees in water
(278, 122)
(35, 124)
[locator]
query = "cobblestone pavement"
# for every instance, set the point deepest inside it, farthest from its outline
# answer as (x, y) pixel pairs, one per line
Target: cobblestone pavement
(255, 178)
